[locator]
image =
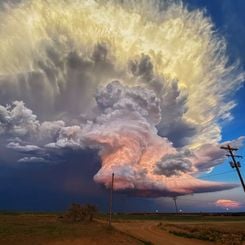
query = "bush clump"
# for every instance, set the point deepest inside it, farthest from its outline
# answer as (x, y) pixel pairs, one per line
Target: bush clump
(79, 213)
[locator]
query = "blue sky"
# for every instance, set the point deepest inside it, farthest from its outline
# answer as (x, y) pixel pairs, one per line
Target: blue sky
(229, 20)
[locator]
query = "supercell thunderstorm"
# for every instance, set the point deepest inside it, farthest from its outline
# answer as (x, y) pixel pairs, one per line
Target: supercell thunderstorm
(145, 85)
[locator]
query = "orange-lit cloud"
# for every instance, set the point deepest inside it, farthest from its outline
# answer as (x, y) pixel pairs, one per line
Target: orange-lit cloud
(144, 85)
(226, 203)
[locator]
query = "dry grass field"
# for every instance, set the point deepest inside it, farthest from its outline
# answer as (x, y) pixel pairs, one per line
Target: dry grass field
(29, 229)
(184, 229)
(223, 233)
(40, 229)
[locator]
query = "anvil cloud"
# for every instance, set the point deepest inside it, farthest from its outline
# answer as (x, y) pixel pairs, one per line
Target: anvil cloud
(146, 86)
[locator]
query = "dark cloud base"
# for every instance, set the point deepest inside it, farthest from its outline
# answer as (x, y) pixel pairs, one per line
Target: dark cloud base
(71, 81)
(40, 187)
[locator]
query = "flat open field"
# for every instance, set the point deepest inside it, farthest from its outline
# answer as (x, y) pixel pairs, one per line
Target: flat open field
(35, 229)
(128, 229)
(186, 218)
(184, 229)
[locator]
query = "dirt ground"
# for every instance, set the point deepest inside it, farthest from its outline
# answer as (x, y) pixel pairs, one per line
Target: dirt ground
(44, 229)
(33, 229)
(186, 233)
(148, 230)
(105, 240)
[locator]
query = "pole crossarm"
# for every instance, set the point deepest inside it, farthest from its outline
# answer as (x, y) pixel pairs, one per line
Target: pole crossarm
(228, 147)
(234, 164)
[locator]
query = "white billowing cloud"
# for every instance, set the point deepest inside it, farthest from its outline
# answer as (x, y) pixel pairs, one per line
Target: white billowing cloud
(181, 45)
(117, 98)
(48, 131)
(125, 135)
(145, 84)
(23, 148)
(68, 137)
(17, 120)
(33, 160)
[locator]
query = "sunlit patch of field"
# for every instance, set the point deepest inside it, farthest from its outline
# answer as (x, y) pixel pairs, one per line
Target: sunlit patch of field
(219, 232)
(185, 218)
(18, 229)
(184, 228)
(44, 228)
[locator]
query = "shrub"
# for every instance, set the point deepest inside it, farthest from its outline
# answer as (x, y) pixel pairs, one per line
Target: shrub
(78, 213)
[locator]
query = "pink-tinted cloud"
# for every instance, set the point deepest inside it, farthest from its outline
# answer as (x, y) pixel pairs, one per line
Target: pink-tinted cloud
(125, 136)
(143, 114)
(226, 203)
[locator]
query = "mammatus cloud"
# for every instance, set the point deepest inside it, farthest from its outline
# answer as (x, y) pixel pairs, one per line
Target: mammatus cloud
(129, 81)
(223, 203)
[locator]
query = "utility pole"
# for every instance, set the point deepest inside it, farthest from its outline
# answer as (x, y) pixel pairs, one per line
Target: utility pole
(175, 204)
(234, 163)
(111, 192)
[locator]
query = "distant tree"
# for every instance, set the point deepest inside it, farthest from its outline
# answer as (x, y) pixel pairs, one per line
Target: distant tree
(90, 210)
(78, 213)
(75, 213)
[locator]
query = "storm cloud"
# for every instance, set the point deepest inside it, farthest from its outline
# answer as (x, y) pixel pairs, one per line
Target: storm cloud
(137, 103)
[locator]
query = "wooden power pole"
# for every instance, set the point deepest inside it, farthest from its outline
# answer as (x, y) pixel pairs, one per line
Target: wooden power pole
(110, 204)
(234, 163)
